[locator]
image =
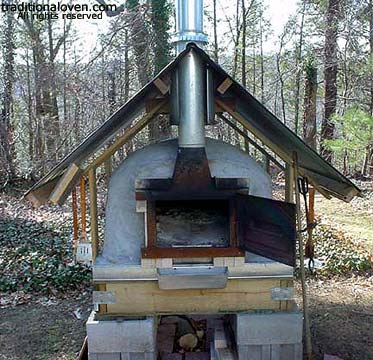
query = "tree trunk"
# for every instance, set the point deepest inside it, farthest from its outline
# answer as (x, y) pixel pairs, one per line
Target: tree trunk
(216, 45)
(298, 70)
(330, 75)
(7, 170)
(309, 117)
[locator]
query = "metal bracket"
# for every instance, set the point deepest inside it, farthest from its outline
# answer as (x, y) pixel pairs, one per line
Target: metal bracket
(282, 293)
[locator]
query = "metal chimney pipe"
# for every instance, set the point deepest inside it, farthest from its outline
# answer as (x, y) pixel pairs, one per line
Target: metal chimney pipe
(191, 101)
(189, 24)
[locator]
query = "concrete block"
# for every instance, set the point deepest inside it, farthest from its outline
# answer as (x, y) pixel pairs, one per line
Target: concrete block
(122, 336)
(275, 352)
(225, 354)
(266, 329)
(138, 356)
(270, 352)
(220, 338)
(104, 356)
(266, 352)
(249, 352)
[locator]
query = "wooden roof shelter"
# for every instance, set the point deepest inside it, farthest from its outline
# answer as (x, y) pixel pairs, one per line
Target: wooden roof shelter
(229, 97)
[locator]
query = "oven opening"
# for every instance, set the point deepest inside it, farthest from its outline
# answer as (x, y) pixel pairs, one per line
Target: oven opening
(192, 223)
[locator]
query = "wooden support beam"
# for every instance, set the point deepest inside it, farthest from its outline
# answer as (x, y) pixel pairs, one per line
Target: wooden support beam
(225, 85)
(40, 195)
(246, 124)
(301, 260)
(161, 86)
(83, 207)
(289, 184)
(74, 203)
(128, 134)
(93, 212)
(65, 184)
(252, 142)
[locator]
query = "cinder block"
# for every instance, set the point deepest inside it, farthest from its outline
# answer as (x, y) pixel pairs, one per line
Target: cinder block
(220, 338)
(270, 352)
(105, 356)
(266, 329)
(225, 354)
(124, 336)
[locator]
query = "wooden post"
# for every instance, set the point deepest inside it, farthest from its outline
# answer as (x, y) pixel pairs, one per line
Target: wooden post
(83, 207)
(75, 218)
(301, 259)
(289, 183)
(93, 212)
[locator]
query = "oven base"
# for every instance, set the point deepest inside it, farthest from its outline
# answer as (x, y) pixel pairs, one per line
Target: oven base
(260, 335)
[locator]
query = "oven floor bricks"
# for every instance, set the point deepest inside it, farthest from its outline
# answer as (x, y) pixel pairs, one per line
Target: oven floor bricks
(273, 336)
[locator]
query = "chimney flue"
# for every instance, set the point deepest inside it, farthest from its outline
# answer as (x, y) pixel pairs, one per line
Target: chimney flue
(189, 24)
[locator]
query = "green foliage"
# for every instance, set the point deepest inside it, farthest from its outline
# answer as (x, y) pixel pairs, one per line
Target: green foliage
(356, 129)
(36, 257)
(339, 254)
(161, 12)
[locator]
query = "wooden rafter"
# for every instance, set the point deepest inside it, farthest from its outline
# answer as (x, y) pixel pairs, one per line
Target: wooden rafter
(128, 135)
(252, 142)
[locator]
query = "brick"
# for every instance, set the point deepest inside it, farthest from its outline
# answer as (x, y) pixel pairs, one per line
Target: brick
(166, 338)
(173, 356)
(197, 356)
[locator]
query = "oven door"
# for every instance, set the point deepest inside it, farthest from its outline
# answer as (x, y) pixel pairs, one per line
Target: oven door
(267, 228)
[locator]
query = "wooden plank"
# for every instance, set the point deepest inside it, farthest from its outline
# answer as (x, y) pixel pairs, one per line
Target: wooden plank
(145, 297)
(65, 184)
(40, 195)
(289, 184)
(93, 212)
(225, 85)
(246, 124)
(83, 207)
(75, 219)
(102, 308)
(150, 104)
(128, 135)
(252, 142)
(190, 252)
(161, 86)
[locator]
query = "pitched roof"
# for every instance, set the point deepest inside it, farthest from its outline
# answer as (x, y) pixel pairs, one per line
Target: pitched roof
(246, 109)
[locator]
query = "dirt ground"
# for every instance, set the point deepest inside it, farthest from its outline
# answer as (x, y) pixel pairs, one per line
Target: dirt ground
(44, 329)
